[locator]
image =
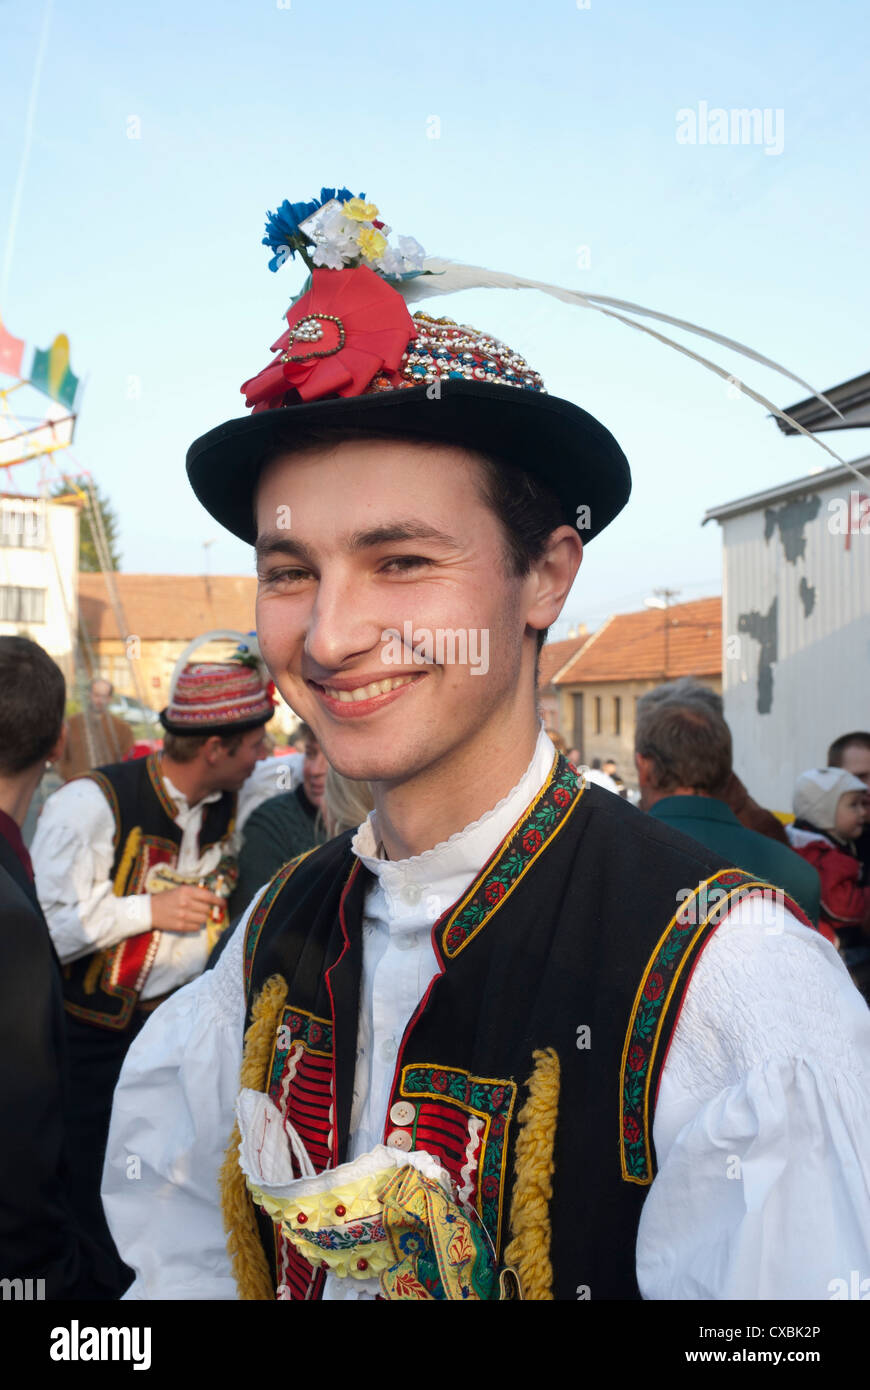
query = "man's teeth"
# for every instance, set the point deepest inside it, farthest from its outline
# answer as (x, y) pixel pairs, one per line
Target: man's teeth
(367, 692)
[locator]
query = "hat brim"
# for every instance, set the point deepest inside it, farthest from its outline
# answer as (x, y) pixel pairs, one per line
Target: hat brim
(553, 439)
(209, 731)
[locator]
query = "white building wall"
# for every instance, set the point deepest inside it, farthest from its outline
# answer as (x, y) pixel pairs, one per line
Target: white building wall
(821, 674)
(46, 560)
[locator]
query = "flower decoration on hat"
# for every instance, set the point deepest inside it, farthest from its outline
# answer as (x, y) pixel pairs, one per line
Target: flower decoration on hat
(338, 231)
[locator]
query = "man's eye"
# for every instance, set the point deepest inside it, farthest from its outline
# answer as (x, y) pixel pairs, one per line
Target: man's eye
(401, 563)
(285, 576)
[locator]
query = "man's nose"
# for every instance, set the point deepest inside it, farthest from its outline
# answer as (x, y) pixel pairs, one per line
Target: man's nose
(341, 625)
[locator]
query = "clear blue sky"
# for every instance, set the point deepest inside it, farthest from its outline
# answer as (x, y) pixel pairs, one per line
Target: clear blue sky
(557, 131)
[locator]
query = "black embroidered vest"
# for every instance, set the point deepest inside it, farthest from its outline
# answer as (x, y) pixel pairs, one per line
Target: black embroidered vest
(103, 988)
(580, 934)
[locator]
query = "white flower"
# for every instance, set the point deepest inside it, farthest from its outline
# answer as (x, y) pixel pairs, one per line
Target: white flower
(391, 263)
(412, 252)
(328, 255)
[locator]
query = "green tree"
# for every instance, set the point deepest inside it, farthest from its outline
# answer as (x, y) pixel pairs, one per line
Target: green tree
(88, 560)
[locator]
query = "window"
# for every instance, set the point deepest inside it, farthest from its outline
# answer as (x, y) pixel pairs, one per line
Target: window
(598, 714)
(617, 714)
(21, 605)
(22, 522)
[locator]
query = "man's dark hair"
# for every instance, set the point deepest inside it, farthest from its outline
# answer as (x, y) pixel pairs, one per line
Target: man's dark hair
(183, 748)
(528, 510)
(839, 746)
(681, 730)
(32, 700)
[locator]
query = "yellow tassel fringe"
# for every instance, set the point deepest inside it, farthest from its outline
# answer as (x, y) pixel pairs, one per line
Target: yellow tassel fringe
(529, 1250)
(250, 1266)
(131, 849)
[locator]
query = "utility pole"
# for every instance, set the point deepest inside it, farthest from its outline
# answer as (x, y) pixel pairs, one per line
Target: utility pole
(665, 596)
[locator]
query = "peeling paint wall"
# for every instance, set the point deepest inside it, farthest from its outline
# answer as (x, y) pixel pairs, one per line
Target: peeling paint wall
(796, 636)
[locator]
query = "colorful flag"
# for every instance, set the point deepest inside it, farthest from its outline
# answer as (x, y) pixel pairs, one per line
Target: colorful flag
(11, 351)
(51, 373)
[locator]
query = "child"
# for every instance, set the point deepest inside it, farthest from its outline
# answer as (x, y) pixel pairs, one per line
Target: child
(829, 817)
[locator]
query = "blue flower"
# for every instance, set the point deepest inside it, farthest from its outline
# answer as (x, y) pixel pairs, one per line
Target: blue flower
(282, 227)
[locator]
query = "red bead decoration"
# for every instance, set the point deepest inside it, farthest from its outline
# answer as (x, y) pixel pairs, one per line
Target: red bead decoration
(362, 1264)
(302, 1218)
(341, 1211)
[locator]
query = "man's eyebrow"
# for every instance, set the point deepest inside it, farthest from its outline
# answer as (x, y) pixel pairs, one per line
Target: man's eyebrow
(280, 543)
(390, 531)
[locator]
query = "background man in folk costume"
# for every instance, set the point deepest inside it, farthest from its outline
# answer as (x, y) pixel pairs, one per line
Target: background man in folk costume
(486, 1045)
(134, 864)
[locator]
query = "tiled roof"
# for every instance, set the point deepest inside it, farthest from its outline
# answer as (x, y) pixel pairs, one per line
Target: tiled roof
(168, 607)
(554, 656)
(631, 646)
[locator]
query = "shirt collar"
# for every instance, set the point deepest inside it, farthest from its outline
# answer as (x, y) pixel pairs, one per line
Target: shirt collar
(466, 851)
(693, 808)
(181, 802)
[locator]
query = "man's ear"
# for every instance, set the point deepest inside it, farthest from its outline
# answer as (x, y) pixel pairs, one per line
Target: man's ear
(552, 576)
(57, 751)
(644, 770)
(212, 748)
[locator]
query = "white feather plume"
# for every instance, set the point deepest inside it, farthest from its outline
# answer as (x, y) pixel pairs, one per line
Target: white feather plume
(448, 277)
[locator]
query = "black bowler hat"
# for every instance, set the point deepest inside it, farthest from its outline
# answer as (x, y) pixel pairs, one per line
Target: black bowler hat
(353, 358)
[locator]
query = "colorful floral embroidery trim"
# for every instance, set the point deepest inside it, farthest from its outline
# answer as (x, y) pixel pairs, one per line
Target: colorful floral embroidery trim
(531, 835)
(261, 912)
(652, 1000)
(490, 1099)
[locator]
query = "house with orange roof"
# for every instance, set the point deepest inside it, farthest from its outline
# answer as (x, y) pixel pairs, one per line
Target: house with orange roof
(631, 653)
(554, 656)
(133, 628)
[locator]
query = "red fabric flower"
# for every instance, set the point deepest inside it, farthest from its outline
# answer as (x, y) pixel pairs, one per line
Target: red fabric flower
(439, 1081)
(495, 891)
(364, 328)
(636, 1057)
(561, 796)
(531, 841)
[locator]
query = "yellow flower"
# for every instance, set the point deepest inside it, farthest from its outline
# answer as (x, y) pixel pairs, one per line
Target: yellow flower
(371, 243)
(358, 211)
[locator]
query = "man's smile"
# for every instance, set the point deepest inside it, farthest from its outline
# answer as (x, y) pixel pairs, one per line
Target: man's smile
(361, 694)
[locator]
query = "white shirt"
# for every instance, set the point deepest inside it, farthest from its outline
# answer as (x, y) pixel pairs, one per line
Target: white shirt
(73, 851)
(761, 1131)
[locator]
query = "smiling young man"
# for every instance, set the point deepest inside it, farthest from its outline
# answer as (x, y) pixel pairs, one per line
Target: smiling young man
(502, 1009)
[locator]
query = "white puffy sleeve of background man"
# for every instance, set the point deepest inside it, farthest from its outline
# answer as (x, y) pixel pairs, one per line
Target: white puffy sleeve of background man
(73, 851)
(172, 1117)
(762, 1126)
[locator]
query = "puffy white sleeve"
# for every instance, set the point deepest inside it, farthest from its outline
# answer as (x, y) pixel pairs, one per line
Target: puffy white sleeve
(173, 1114)
(762, 1127)
(72, 853)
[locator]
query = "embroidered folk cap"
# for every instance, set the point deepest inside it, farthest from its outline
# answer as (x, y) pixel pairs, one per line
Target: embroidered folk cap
(218, 697)
(354, 358)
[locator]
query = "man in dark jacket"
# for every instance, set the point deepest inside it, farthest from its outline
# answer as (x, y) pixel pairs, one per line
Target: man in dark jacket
(683, 759)
(43, 1251)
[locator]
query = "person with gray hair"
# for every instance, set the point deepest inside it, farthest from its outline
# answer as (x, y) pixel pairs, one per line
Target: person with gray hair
(683, 755)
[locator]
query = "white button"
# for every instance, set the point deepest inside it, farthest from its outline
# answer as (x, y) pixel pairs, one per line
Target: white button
(400, 1139)
(389, 1049)
(402, 1113)
(412, 893)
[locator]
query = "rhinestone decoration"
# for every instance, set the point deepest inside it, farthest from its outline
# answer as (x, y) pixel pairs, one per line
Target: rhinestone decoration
(452, 351)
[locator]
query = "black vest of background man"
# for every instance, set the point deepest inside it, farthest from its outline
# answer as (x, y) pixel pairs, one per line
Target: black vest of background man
(568, 939)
